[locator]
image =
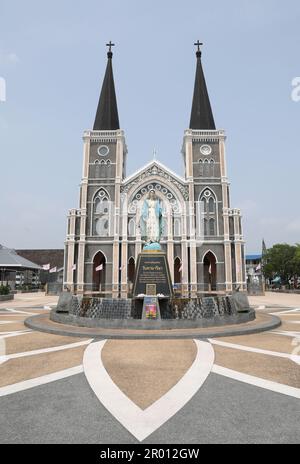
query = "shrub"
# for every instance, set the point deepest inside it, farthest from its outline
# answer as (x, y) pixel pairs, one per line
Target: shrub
(4, 289)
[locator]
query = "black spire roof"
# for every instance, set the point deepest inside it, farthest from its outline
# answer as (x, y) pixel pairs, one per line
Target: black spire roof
(107, 117)
(201, 115)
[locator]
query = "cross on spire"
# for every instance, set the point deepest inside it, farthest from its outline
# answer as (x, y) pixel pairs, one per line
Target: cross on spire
(109, 45)
(198, 45)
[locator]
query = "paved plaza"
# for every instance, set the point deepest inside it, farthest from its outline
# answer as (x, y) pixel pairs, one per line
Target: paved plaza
(60, 389)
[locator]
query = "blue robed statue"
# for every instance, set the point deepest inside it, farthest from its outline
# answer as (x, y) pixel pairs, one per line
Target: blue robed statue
(151, 219)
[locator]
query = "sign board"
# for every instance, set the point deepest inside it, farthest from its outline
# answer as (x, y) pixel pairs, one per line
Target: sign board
(152, 271)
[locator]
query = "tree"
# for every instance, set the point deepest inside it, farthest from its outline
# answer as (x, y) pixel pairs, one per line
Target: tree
(297, 260)
(282, 260)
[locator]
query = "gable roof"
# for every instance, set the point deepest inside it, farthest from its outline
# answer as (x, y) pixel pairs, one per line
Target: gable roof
(10, 259)
(54, 257)
(151, 164)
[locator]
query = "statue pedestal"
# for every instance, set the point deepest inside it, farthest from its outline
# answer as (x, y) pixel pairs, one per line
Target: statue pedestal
(151, 308)
(152, 276)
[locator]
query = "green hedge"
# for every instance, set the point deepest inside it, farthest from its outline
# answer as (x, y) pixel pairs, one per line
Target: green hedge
(4, 289)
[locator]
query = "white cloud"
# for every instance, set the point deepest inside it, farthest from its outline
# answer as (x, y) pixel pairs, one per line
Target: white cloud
(3, 124)
(271, 222)
(248, 206)
(281, 224)
(9, 58)
(293, 226)
(13, 58)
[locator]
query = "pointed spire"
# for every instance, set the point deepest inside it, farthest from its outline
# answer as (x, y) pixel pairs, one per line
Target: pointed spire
(201, 115)
(107, 117)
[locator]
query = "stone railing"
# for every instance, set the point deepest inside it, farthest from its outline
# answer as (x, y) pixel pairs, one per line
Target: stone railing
(8, 297)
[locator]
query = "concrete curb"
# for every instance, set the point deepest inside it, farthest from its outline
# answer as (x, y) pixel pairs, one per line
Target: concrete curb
(8, 297)
(42, 323)
(143, 324)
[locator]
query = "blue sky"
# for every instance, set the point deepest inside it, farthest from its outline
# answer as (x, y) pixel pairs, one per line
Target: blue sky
(53, 57)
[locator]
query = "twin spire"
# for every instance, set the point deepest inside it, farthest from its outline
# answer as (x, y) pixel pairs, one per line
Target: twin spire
(107, 117)
(201, 115)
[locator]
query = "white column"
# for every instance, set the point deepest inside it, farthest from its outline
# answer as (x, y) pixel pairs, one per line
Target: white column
(86, 155)
(138, 245)
(238, 248)
(138, 242)
(184, 254)
(80, 271)
(193, 268)
(227, 251)
(124, 261)
(193, 254)
(81, 246)
(83, 213)
(188, 151)
(116, 260)
(223, 166)
(170, 243)
(191, 214)
(238, 263)
(71, 249)
(118, 180)
(185, 275)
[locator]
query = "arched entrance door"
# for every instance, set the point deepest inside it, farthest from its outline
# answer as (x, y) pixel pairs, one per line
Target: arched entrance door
(99, 272)
(177, 275)
(131, 270)
(210, 272)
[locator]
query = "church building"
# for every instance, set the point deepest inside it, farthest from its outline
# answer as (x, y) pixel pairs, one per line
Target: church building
(201, 233)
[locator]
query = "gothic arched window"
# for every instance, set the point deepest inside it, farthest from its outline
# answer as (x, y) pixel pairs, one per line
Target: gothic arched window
(101, 205)
(131, 227)
(164, 227)
(201, 167)
(207, 216)
(206, 168)
(176, 227)
(102, 214)
(211, 227)
(211, 205)
(205, 227)
(212, 168)
(102, 227)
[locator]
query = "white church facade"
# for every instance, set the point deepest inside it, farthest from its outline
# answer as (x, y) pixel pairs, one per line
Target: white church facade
(201, 234)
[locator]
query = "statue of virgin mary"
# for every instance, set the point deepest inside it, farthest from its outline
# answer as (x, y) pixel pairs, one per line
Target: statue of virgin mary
(151, 219)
